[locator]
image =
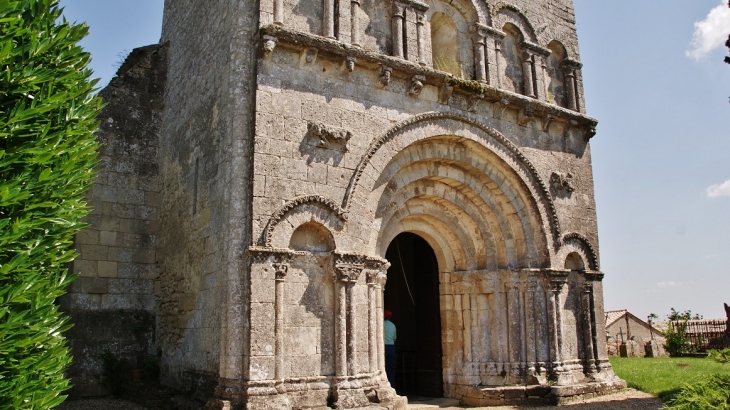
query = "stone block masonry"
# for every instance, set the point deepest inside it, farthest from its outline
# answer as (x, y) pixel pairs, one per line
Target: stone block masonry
(292, 143)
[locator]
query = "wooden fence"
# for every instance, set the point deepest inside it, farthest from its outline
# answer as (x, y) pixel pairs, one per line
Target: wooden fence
(705, 334)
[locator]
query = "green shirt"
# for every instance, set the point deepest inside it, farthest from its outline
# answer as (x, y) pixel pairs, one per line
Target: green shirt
(389, 332)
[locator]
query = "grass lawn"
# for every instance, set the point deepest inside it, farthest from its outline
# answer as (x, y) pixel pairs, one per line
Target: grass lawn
(664, 376)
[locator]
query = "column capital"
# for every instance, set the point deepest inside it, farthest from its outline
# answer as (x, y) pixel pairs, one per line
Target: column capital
(347, 272)
(419, 7)
(281, 269)
(399, 9)
(571, 64)
(535, 49)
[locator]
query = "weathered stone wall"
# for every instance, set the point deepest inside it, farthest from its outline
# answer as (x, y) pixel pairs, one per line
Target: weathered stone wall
(112, 304)
(205, 183)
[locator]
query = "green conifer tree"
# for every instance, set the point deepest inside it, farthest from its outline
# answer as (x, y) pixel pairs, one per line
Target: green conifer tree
(47, 153)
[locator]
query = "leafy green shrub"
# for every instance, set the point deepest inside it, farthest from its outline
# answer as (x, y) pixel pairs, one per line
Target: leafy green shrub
(710, 393)
(677, 341)
(720, 356)
(47, 152)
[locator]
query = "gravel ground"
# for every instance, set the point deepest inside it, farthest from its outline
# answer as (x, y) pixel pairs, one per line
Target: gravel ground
(628, 399)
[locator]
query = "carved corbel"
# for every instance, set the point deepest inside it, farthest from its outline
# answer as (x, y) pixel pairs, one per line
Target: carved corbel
(270, 43)
(417, 84)
(569, 125)
(445, 91)
(590, 132)
(385, 73)
(472, 101)
(500, 106)
(562, 182)
(525, 116)
(350, 63)
(310, 55)
(547, 120)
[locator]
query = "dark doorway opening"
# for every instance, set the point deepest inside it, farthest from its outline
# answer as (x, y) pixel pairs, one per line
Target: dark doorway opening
(412, 294)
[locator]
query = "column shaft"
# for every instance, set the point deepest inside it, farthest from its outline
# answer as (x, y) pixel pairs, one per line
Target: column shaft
(351, 330)
(355, 22)
(328, 19)
(527, 75)
(420, 39)
(570, 89)
(398, 19)
(341, 328)
(480, 60)
(278, 11)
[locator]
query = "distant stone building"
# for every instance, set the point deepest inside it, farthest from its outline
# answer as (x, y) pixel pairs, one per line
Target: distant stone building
(623, 325)
(274, 174)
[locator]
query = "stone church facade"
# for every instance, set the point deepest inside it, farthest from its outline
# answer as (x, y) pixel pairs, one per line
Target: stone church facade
(275, 174)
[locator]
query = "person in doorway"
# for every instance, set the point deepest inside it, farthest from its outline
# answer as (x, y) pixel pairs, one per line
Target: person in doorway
(389, 334)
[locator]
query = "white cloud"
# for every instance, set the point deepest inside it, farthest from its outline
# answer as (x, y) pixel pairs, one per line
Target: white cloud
(711, 32)
(718, 190)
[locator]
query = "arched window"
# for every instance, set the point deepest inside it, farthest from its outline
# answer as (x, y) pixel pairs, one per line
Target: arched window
(512, 59)
(445, 45)
(556, 77)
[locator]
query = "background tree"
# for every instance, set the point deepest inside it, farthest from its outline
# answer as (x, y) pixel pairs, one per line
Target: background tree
(47, 152)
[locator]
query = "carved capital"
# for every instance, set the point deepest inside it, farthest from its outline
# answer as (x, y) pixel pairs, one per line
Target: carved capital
(399, 9)
(281, 269)
(419, 7)
(556, 280)
(562, 182)
(348, 272)
(269, 43)
(417, 84)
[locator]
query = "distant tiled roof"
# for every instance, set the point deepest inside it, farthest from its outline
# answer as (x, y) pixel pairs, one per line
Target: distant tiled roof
(614, 315)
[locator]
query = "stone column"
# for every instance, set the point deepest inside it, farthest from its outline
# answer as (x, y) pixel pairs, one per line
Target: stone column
(588, 327)
(355, 22)
(527, 67)
(514, 326)
(569, 70)
(382, 278)
(420, 17)
(328, 19)
(555, 319)
(530, 287)
(399, 14)
(493, 43)
(480, 57)
(372, 281)
(347, 275)
(279, 12)
(341, 326)
(466, 330)
(280, 270)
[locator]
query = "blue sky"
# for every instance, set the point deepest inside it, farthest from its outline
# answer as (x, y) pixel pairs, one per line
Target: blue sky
(656, 82)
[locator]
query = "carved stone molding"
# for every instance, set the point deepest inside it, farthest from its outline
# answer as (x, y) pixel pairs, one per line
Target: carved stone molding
(583, 243)
(542, 193)
(562, 182)
(329, 137)
(416, 86)
(298, 201)
(269, 43)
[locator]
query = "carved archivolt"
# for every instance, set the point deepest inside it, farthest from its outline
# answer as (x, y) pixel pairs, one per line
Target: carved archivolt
(575, 242)
(540, 189)
(331, 205)
(504, 12)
